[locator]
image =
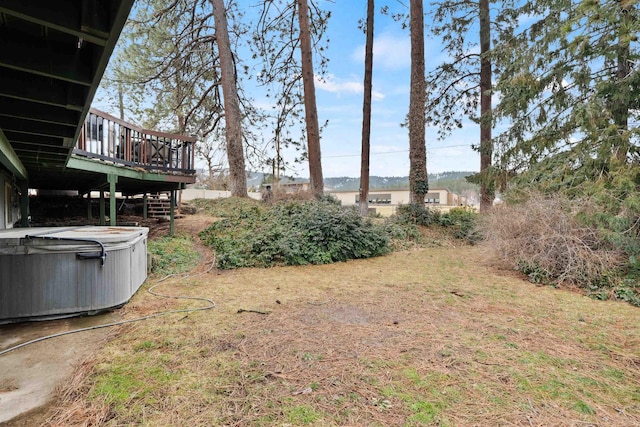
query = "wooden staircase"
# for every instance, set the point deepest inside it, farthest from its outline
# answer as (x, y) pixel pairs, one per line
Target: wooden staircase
(159, 205)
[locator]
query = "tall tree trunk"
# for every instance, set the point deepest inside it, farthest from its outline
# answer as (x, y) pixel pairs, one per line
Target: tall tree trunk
(232, 113)
(177, 99)
(620, 109)
(418, 181)
(487, 192)
(311, 111)
(121, 101)
(366, 112)
(278, 157)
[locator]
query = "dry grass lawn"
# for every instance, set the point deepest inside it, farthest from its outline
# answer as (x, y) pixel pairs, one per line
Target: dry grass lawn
(424, 337)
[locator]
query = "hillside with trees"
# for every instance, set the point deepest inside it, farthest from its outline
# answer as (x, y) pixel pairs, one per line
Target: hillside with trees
(454, 181)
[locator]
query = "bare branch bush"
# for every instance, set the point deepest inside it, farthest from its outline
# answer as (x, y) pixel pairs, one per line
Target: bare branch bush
(280, 194)
(544, 238)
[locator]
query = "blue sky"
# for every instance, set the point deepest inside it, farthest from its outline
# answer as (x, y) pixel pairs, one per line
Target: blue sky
(339, 100)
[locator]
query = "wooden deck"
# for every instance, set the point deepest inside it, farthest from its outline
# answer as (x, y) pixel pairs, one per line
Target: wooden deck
(110, 139)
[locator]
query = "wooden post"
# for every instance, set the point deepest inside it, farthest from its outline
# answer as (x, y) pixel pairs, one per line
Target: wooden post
(145, 207)
(102, 208)
(89, 213)
(172, 213)
(113, 179)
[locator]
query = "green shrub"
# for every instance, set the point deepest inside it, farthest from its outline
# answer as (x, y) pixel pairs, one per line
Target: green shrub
(331, 199)
(401, 235)
(534, 272)
(463, 224)
(417, 214)
(629, 291)
(294, 233)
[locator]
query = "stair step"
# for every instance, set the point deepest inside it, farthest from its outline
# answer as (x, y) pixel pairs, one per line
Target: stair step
(158, 206)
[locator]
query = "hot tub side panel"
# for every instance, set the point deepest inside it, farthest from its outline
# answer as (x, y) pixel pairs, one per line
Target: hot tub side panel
(40, 285)
(34, 284)
(109, 284)
(138, 264)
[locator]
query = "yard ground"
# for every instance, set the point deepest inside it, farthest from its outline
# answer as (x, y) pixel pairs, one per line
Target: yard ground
(430, 336)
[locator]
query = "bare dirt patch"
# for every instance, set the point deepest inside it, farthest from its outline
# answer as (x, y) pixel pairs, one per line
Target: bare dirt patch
(189, 224)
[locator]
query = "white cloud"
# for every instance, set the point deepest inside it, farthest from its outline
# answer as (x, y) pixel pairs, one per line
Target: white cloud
(330, 83)
(391, 52)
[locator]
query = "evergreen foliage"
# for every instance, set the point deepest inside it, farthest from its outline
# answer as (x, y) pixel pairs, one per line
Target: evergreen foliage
(462, 223)
(403, 235)
(294, 233)
(416, 214)
(569, 84)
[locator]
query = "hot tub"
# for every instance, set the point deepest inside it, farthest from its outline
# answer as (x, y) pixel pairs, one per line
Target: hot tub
(63, 271)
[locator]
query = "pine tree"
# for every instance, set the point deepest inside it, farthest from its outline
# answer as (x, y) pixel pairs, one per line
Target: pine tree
(418, 180)
(486, 146)
(569, 86)
(311, 110)
(570, 95)
(462, 85)
(233, 114)
(277, 42)
(366, 111)
(169, 54)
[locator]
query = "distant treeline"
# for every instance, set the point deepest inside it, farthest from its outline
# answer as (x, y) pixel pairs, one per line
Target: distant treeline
(454, 181)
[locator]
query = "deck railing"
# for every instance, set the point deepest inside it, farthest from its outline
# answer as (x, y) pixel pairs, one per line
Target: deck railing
(108, 138)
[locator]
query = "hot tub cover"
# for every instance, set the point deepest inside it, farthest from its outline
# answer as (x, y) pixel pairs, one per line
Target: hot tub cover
(54, 239)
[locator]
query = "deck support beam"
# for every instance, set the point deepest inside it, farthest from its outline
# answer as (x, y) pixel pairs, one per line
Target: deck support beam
(145, 206)
(172, 213)
(89, 213)
(102, 208)
(113, 180)
(10, 159)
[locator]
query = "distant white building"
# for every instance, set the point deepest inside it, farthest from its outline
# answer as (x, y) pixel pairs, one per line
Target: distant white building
(385, 202)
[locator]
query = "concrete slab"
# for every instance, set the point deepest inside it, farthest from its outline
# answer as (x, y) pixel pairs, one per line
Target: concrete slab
(30, 375)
